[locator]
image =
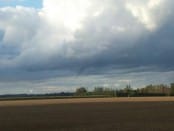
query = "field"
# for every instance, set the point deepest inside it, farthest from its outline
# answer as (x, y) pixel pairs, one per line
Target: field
(90, 114)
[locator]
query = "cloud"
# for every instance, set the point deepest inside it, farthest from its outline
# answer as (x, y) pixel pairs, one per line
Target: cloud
(146, 12)
(65, 38)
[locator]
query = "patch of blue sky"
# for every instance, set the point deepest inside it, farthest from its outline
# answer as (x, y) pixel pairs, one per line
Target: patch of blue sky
(26, 3)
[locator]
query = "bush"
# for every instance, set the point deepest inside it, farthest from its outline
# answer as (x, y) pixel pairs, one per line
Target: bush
(81, 91)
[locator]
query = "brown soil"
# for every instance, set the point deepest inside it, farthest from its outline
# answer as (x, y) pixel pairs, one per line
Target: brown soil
(103, 114)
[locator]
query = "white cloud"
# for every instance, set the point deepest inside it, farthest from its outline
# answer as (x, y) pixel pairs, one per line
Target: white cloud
(148, 12)
(66, 13)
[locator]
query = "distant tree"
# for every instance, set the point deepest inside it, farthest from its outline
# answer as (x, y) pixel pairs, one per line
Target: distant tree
(172, 89)
(81, 91)
(109, 92)
(98, 90)
(156, 90)
(128, 90)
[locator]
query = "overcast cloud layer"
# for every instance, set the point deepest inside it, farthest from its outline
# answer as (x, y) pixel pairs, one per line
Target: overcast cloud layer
(64, 42)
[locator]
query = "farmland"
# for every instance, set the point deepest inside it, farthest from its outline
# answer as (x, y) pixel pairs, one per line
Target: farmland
(88, 114)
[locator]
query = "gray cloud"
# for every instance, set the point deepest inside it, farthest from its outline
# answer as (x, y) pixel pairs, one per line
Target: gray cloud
(109, 37)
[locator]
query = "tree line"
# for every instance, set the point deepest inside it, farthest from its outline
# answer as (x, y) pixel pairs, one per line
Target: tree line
(128, 91)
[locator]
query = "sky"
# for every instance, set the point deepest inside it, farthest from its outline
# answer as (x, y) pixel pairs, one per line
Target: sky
(51, 46)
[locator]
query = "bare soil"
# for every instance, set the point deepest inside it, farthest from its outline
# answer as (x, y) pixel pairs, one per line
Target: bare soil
(99, 114)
